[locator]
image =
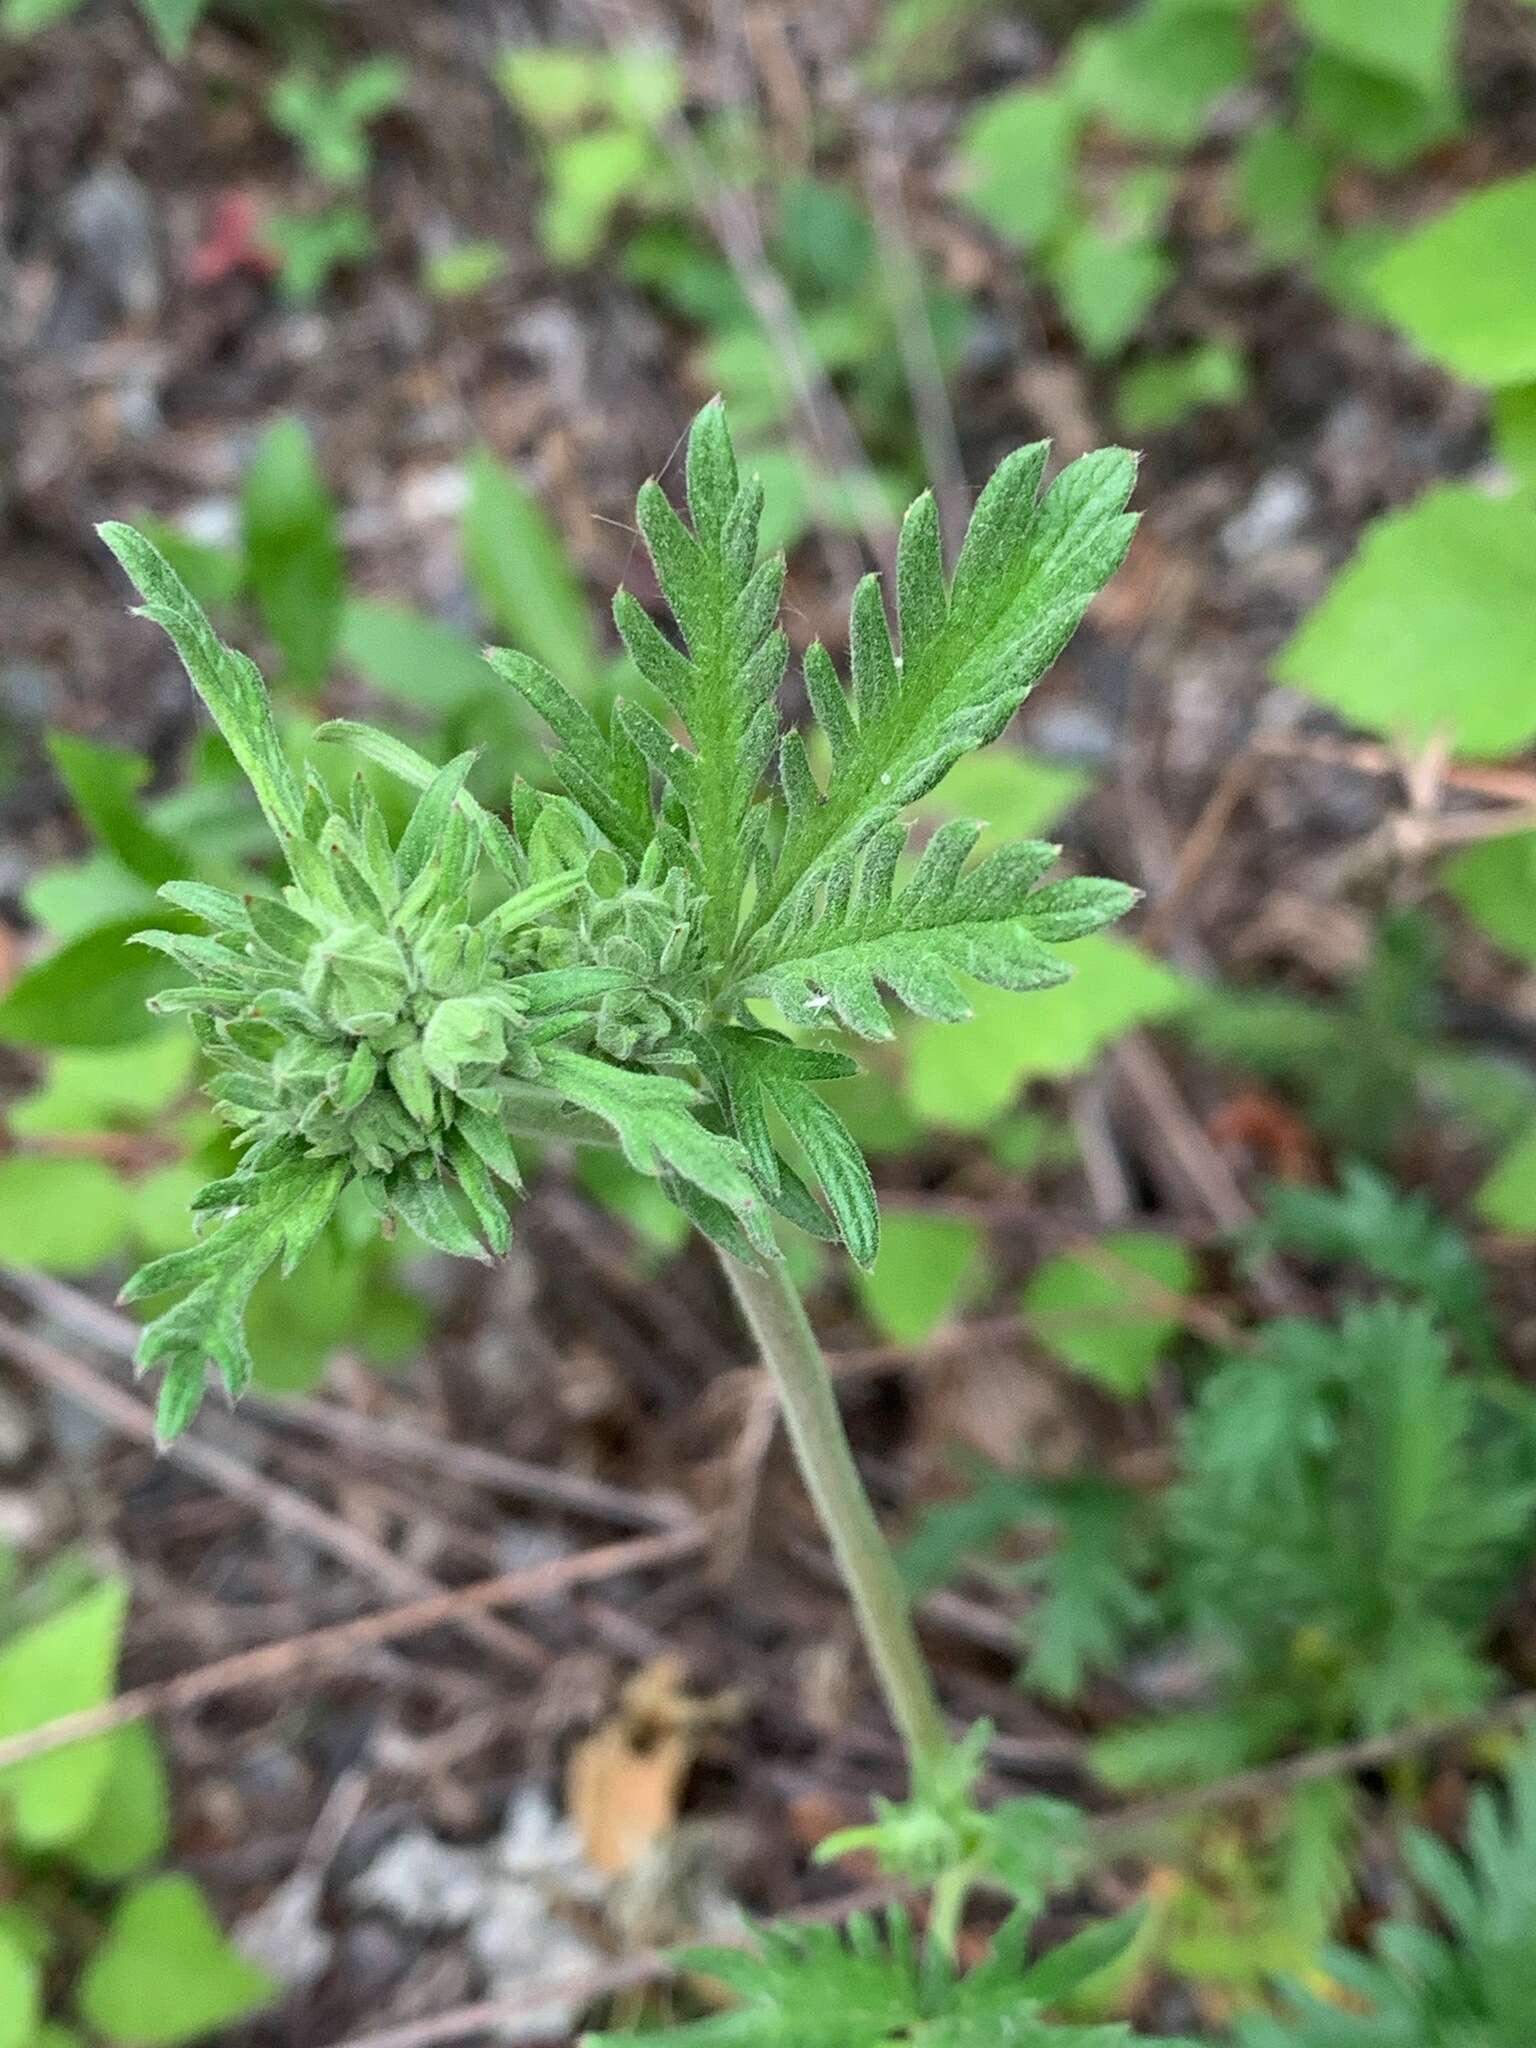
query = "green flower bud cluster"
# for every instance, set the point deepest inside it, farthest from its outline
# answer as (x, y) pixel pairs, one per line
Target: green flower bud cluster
(366, 1017)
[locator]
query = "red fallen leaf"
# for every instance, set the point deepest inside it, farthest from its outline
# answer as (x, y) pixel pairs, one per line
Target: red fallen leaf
(1264, 1126)
(233, 241)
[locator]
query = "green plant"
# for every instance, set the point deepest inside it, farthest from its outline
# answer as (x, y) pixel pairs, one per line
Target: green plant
(82, 1927)
(1349, 1514)
(1371, 86)
(1362, 1062)
(598, 120)
(329, 117)
(406, 1006)
(312, 247)
(1470, 1978)
(171, 20)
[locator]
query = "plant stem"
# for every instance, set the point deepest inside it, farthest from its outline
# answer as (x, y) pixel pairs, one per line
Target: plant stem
(789, 1349)
(946, 1914)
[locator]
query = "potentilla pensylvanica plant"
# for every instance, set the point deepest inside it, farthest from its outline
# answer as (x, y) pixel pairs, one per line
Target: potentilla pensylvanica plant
(600, 966)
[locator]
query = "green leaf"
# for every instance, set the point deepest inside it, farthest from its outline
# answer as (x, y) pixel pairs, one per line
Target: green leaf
(91, 991)
(164, 1974)
(412, 657)
(1017, 154)
(104, 782)
(228, 682)
(26, 17)
(970, 654)
(1514, 431)
(992, 921)
(61, 1214)
(1495, 883)
(1452, 288)
(464, 268)
(108, 1090)
(1088, 1309)
(269, 1213)
(21, 1992)
(926, 1268)
(58, 1666)
(1156, 75)
(293, 555)
(725, 689)
(1160, 391)
(1507, 1198)
(1018, 795)
(652, 1115)
(872, 1984)
(1281, 180)
(1370, 118)
(315, 245)
(1411, 41)
(1430, 628)
(761, 1071)
(1107, 285)
(132, 1821)
(173, 22)
(1369, 1222)
(523, 577)
(963, 1076)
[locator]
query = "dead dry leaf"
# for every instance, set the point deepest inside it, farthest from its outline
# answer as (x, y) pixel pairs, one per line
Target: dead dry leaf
(624, 1784)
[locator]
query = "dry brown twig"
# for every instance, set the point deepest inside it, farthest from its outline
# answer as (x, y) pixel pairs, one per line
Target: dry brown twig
(325, 1646)
(276, 1503)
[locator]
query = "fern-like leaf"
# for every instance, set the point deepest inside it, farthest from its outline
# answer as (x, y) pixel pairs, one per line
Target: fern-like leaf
(827, 949)
(970, 653)
(872, 1984)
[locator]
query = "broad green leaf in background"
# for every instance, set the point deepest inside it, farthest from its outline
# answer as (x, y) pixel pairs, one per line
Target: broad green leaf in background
(314, 245)
(90, 991)
(1160, 391)
(58, 1666)
(75, 896)
(1495, 883)
(961, 1076)
(523, 577)
(590, 177)
(173, 22)
(551, 86)
(1016, 795)
(659, 1224)
(104, 783)
(1088, 1308)
(1370, 118)
(1406, 39)
(463, 269)
(65, 1215)
(412, 657)
(927, 1266)
(1281, 178)
(1507, 1198)
(164, 1973)
(1016, 162)
(21, 1985)
(1107, 285)
(132, 1820)
(1430, 628)
(1463, 288)
(293, 555)
(1514, 431)
(1156, 73)
(113, 1089)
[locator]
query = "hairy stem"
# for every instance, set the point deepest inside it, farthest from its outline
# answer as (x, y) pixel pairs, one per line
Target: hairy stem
(791, 1353)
